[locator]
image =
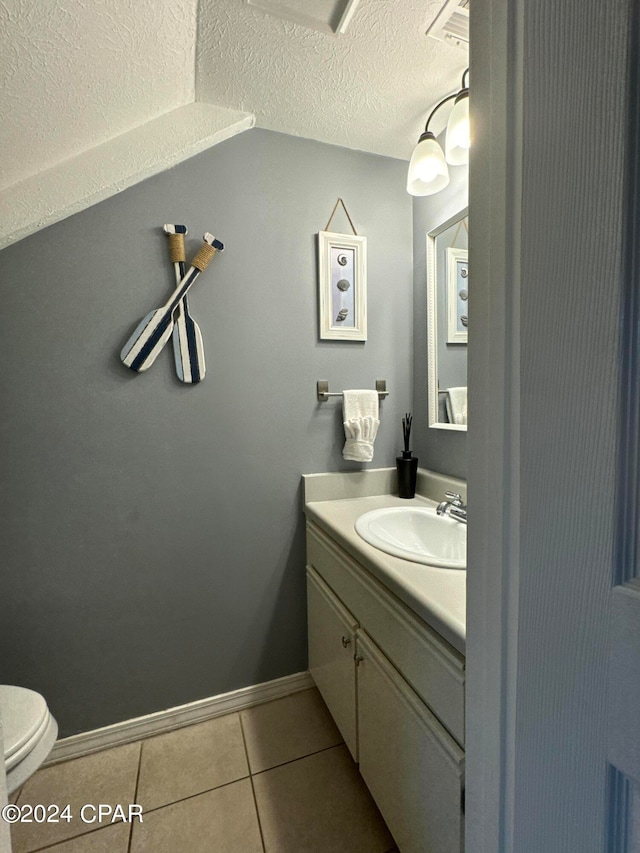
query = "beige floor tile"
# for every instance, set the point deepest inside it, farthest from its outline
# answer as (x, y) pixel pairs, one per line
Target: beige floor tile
(319, 804)
(191, 760)
(219, 821)
(288, 728)
(105, 777)
(111, 839)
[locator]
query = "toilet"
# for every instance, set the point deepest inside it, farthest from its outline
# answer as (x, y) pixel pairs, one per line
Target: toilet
(28, 730)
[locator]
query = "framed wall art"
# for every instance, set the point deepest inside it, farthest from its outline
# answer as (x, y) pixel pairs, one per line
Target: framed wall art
(342, 284)
(457, 296)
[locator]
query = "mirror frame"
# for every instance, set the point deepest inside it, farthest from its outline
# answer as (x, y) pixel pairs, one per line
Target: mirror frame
(432, 323)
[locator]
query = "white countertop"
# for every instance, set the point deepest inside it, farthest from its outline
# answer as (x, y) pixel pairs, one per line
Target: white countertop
(436, 595)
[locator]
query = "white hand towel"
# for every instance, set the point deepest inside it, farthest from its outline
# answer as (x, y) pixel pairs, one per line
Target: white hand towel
(456, 401)
(360, 414)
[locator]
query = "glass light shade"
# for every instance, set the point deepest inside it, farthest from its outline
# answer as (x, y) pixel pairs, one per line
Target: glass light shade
(458, 132)
(428, 171)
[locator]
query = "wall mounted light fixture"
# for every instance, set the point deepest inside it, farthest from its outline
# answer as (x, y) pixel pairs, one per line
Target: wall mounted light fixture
(428, 172)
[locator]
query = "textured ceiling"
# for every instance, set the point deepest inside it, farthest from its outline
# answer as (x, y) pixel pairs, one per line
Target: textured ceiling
(76, 73)
(368, 89)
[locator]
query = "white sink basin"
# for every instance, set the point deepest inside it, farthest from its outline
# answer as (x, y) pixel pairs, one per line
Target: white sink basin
(418, 534)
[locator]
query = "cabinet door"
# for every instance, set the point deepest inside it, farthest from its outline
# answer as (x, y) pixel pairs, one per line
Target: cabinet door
(331, 653)
(412, 766)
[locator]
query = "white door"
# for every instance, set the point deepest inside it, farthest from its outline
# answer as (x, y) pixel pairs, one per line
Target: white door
(623, 727)
(553, 644)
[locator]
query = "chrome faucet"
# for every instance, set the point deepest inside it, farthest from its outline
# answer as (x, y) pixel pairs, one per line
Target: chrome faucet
(453, 506)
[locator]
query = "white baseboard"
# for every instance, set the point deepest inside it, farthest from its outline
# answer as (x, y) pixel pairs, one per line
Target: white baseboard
(174, 718)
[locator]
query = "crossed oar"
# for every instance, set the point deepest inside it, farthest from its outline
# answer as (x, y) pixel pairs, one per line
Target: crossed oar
(152, 333)
(188, 350)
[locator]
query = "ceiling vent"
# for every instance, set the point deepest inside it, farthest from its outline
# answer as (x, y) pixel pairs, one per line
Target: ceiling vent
(452, 24)
(326, 16)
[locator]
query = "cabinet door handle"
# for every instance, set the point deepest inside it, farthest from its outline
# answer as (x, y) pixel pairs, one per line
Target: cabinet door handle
(357, 659)
(346, 641)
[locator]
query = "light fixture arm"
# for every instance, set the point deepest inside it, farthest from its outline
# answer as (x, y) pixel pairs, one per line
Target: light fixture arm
(462, 90)
(437, 107)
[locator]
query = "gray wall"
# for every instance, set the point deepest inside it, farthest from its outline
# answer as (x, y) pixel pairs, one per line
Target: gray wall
(153, 541)
(437, 449)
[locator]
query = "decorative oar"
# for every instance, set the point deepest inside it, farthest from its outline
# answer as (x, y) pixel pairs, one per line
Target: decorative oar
(152, 333)
(188, 350)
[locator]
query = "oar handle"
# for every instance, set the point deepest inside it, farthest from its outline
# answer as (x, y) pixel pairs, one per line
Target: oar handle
(205, 253)
(203, 258)
(176, 234)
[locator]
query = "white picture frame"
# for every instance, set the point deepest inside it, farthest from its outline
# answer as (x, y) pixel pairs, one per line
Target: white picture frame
(457, 304)
(342, 286)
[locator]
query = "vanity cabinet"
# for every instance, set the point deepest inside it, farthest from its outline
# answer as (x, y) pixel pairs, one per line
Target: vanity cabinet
(396, 691)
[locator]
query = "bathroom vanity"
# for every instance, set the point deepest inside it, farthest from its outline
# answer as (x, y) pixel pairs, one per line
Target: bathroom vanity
(386, 650)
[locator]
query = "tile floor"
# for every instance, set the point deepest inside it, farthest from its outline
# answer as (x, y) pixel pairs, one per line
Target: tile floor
(275, 778)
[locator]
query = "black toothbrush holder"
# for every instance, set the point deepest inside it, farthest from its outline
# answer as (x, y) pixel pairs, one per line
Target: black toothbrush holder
(407, 464)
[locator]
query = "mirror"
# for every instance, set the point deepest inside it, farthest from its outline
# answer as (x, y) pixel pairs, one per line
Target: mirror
(447, 322)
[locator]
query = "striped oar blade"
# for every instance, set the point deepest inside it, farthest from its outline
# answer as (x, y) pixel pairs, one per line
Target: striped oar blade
(188, 349)
(152, 333)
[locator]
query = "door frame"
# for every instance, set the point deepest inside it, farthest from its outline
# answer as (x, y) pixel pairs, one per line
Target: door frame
(495, 181)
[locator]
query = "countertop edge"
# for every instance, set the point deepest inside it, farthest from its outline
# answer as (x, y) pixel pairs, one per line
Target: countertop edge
(431, 603)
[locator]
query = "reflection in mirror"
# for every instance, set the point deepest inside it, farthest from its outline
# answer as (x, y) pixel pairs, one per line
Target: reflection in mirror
(447, 322)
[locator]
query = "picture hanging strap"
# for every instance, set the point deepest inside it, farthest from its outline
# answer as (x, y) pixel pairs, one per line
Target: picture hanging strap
(333, 213)
(460, 224)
